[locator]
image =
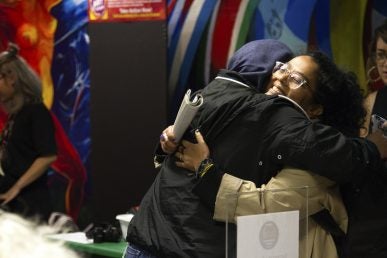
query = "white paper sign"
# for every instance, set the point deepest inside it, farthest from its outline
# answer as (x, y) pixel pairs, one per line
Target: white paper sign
(269, 235)
(77, 237)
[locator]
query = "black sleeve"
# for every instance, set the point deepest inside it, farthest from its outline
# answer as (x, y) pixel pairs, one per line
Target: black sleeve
(292, 140)
(159, 156)
(320, 148)
(207, 187)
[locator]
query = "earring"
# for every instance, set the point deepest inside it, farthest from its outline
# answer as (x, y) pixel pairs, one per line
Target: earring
(371, 73)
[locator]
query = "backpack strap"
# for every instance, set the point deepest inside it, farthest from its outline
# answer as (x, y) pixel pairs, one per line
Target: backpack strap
(326, 221)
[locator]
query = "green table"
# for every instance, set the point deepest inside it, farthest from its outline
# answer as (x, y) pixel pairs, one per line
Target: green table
(115, 250)
(78, 242)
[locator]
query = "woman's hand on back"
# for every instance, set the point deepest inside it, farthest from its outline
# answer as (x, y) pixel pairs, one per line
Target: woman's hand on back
(192, 154)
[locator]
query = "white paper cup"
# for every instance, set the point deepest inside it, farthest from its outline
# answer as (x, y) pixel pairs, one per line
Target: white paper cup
(124, 220)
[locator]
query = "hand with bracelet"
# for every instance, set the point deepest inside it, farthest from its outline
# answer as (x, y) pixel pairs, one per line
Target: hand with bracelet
(194, 156)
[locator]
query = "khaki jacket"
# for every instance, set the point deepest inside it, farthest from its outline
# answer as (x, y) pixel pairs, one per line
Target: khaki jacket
(321, 192)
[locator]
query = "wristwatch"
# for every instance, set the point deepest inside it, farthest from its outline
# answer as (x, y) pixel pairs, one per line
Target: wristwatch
(204, 166)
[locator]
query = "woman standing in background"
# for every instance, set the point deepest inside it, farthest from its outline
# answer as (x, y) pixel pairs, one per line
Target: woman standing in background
(366, 200)
(27, 146)
(376, 101)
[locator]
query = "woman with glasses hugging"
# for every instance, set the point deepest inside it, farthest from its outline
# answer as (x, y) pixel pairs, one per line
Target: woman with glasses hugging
(324, 94)
(253, 136)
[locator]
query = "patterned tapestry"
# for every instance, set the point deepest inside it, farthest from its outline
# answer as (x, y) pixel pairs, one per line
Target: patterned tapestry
(203, 34)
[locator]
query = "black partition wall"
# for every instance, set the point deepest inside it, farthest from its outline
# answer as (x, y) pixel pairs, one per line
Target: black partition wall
(128, 111)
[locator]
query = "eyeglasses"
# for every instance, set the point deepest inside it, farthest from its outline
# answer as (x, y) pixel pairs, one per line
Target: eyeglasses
(295, 80)
(380, 57)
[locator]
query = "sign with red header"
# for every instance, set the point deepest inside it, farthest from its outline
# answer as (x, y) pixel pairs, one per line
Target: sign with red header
(126, 10)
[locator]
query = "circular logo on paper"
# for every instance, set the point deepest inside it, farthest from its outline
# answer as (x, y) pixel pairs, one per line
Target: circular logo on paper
(98, 7)
(268, 235)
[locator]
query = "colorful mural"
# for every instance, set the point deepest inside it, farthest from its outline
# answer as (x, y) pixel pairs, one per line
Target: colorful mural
(53, 40)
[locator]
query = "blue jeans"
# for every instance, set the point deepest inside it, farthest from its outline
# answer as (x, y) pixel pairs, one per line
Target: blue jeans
(133, 251)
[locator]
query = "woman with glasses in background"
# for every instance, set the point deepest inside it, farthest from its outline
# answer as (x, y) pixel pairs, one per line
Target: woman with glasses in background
(376, 101)
(366, 199)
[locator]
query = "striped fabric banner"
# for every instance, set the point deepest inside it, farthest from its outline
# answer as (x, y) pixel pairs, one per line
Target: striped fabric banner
(180, 14)
(208, 51)
(174, 13)
(241, 25)
(170, 6)
(208, 32)
(194, 25)
(235, 19)
(227, 15)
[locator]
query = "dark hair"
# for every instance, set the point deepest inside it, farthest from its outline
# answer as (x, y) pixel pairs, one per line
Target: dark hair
(27, 82)
(379, 32)
(340, 95)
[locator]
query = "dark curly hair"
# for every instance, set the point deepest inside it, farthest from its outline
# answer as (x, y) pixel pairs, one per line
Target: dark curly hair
(341, 96)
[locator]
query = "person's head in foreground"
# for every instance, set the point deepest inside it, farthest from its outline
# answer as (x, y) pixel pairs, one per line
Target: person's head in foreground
(22, 238)
(322, 89)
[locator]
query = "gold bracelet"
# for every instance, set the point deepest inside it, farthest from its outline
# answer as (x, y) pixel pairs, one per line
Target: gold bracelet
(206, 169)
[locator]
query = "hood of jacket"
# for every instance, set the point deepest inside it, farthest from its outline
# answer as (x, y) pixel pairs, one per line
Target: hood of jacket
(255, 60)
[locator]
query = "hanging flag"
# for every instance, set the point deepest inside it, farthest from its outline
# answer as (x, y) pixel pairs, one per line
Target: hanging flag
(281, 20)
(241, 25)
(177, 19)
(208, 46)
(347, 21)
(194, 25)
(238, 17)
(321, 24)
(227, 14)
(174, 14)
